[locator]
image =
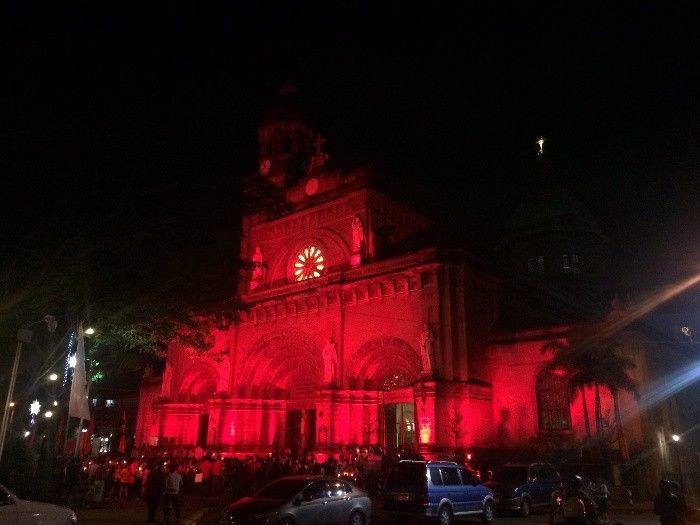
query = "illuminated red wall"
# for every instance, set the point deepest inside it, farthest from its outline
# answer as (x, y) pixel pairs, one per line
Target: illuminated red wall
(373, 314)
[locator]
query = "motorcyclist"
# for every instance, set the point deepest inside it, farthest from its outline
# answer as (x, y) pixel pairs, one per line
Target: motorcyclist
(668, 504)
(578, 508)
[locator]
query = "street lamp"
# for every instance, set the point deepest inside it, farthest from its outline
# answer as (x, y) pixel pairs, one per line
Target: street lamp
(53, 377)
(23, 336)
(677, 446)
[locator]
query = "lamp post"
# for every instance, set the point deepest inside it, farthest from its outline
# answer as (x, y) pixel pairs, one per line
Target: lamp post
(78, 431)
(23, 336)
(676, 444)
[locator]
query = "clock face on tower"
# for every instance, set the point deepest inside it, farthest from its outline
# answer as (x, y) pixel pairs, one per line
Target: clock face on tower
(311, 187)
(308, 263)
(265, 166)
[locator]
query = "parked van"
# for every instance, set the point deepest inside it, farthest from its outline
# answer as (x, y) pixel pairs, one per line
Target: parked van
(435, 490)
(524, 486)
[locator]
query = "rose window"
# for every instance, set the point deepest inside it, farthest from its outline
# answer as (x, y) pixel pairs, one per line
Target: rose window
(309, 263)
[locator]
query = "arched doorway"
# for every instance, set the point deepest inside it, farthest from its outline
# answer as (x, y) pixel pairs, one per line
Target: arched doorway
(285, 365)
(398, 420)
(390, 366)
(196, 387)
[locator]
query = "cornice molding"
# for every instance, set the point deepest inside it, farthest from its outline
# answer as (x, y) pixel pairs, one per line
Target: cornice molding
(398, 276)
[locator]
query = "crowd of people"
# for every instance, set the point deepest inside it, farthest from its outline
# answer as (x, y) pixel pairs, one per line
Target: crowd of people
(94, 481)
(160, 478)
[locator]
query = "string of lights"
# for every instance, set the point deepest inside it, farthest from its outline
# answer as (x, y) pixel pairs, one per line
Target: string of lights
(70, 357)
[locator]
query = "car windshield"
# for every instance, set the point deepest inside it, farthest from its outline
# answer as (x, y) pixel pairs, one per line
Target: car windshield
(511, 475)
(282, 489)
(407, 475)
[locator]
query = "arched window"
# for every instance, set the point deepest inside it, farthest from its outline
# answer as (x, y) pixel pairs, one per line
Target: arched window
(553, 401)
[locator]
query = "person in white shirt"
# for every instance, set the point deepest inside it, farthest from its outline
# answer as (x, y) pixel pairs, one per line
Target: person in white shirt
(173, 483)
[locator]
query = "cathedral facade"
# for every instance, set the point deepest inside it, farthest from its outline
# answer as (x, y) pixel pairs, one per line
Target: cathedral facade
(347, 339)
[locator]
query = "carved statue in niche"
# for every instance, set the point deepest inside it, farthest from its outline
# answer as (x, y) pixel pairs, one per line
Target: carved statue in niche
(258, 273)
(167, 380)
(358, 241)
(330, 362)
(427, 349)
(224, 375)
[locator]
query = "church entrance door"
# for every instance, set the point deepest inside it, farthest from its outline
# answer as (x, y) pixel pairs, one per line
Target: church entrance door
(300, 430)
(203, 430)
(399, 425)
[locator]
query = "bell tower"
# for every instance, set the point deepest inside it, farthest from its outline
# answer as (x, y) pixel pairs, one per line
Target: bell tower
(286, 142)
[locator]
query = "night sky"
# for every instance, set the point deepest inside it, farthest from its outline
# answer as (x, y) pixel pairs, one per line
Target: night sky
(122, 123)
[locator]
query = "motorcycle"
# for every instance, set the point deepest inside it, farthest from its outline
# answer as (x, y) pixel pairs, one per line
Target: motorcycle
(574, 508)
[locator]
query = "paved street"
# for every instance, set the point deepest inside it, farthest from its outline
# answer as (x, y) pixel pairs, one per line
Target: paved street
(197, 510)
(194, 510)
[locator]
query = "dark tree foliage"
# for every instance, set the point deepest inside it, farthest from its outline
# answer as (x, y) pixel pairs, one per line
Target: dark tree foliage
(118, 256)
(594, 356)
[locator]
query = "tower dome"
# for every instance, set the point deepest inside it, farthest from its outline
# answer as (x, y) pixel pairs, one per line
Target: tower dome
(554, 252)
(286, 107)
(285, 138)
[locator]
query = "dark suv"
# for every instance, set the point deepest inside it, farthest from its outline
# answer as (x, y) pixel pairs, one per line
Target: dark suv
(435, 490)
(522, 487)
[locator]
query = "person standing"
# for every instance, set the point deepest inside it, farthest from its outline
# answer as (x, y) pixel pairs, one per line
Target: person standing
(602, 500)
(71, 481)
(173, 484)
(217, 476)
(152, 489)
(124, 475)
(668, 505)
(205, 470)
(99, 483)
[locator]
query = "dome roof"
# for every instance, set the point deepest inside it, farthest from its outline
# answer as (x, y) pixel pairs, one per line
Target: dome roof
(553, 210)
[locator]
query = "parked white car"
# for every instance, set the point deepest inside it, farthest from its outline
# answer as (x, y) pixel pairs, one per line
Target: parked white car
(16, 511)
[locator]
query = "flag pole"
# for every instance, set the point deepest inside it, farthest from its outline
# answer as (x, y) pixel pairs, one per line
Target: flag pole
(79, 388)
(79, 430)
(23, 336)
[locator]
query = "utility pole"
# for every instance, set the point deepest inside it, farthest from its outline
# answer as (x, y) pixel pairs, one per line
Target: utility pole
(23, 336)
